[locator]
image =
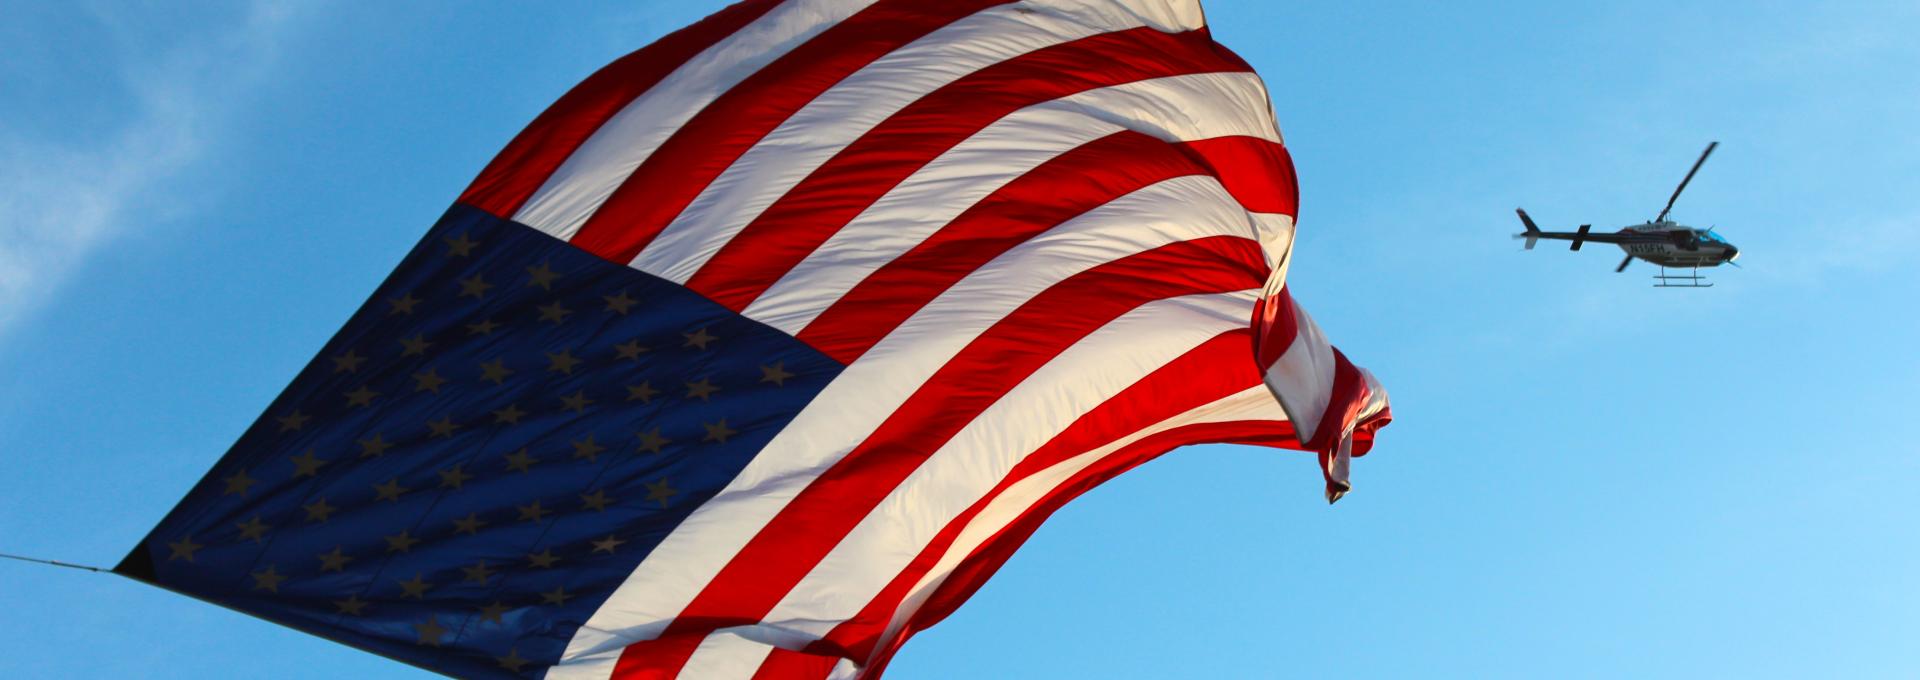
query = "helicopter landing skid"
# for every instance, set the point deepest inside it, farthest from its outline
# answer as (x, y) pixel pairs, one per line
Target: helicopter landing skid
(1691, 280)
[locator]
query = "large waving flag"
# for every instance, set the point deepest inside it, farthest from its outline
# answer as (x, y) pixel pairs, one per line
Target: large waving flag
(765, 346)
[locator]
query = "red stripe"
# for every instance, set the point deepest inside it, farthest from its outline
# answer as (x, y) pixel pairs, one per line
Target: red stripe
(1349, 394)
(1056, 191)
(867, 169)
(830, 507)
(1364, 432)
(786, 664)
(533, 155)
(1208, 373)
(973, 572)
(702, 149)
(1258, 173)
(1275, 328)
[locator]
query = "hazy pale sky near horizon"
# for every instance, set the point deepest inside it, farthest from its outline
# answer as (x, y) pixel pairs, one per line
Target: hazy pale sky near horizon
(1588, 477)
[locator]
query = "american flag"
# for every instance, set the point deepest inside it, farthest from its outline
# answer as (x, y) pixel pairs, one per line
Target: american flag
(765, 346)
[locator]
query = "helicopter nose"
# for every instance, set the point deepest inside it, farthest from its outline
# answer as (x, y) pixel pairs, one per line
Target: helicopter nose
(1732, 253)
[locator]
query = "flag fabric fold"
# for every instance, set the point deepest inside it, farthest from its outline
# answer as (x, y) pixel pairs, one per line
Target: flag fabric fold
(765, 346)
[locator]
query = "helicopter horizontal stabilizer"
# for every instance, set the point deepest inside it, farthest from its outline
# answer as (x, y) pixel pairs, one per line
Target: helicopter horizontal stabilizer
(1580, 237)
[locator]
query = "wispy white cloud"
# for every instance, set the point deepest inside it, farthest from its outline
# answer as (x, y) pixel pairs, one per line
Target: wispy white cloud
(62, 199)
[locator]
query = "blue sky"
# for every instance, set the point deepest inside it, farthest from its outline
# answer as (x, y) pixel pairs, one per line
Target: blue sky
(1588, 477)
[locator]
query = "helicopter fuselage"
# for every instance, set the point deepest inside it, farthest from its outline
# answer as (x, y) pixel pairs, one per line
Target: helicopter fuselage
(1675, 245)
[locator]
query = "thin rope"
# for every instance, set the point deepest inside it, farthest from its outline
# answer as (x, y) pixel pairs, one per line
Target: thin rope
(56, 563)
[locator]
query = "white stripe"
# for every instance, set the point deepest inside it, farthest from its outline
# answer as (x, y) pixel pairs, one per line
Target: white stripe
(979, 456)
(1020, 497)
(852, 107)
(582, 183)
(870, 389)
(845, 670)
(595, 667)
(722, 655)
(1175, 109)
(1302, 378)
(1276, 238)
(1376, 397)
(725, 655)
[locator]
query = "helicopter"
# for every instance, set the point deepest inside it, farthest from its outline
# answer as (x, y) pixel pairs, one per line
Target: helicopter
(1660, 241)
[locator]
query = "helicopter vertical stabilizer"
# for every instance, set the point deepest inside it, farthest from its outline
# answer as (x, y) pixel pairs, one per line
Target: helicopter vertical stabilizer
(1533, 232)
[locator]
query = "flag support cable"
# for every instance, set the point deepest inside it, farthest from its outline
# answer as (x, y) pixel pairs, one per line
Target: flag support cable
(56, 563)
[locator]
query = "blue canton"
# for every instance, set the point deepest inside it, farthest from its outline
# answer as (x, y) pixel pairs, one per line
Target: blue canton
(483, 453)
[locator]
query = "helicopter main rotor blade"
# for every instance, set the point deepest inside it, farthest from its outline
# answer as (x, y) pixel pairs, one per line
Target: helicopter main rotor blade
(1683, 182)
(1623, 264)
